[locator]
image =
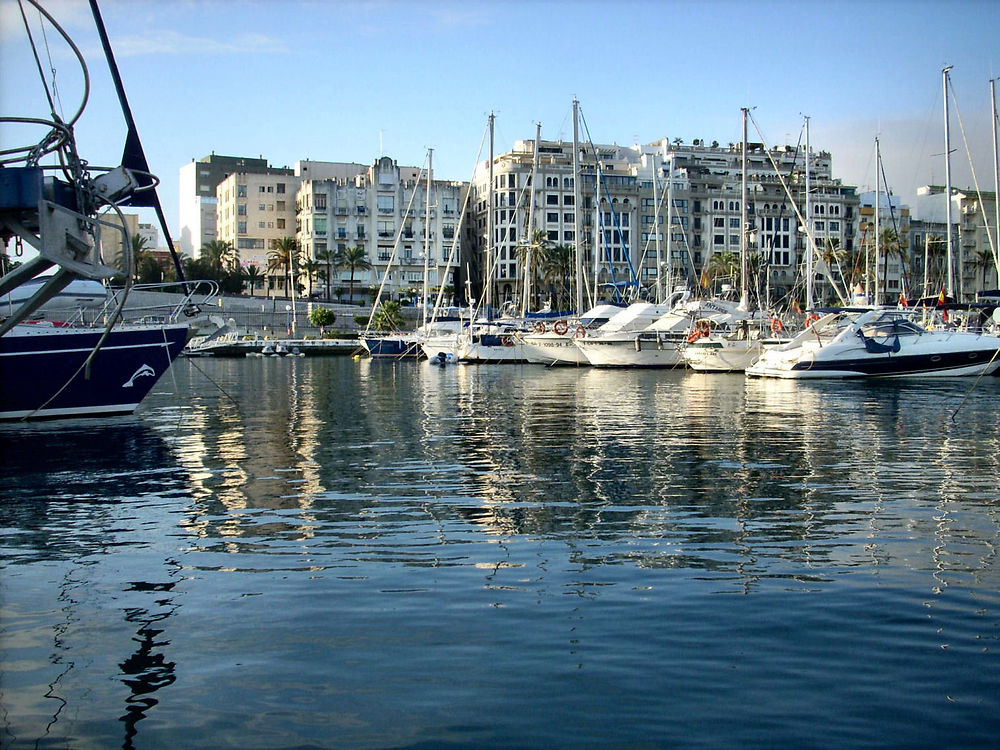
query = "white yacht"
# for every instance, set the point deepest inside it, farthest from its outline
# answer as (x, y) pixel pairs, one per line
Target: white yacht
(552, 342)
(884, 343)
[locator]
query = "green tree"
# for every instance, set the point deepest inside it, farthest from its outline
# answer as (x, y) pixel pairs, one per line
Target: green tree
(531, 257)
(310, 268)
(254, 277)
(220, 258)
(388, 316)
(354, 258)
(282, 258)
(557, 271)
(321, 317)
(328, 257)
(724, 265)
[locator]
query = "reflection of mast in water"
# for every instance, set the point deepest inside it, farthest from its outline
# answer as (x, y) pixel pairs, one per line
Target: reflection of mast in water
(146, 670)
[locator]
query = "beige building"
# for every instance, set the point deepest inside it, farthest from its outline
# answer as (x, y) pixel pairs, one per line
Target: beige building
(253, 211)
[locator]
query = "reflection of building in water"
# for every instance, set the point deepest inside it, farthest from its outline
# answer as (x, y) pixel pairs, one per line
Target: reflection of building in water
(259, 453)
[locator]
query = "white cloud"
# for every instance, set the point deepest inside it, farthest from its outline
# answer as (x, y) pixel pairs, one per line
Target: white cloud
(176, 43)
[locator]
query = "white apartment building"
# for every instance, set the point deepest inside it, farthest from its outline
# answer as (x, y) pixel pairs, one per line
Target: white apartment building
(704, 185)
(974, 260)
(382, 210)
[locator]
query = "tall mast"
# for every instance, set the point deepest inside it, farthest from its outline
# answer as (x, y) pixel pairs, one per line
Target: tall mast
(577, 218)
(878, 222)
(996, 180)
(808, 227)
(529, 241)
(744, 293)
(670, 216)
(598, 230)
(656, 231)
(947, 183)
(427, 227)
(488, 281)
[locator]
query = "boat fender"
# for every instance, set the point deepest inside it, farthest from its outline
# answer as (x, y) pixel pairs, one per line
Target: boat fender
(560, 327)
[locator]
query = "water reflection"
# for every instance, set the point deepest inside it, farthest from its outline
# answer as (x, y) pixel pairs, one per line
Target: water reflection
(331, 524)
(742, 478)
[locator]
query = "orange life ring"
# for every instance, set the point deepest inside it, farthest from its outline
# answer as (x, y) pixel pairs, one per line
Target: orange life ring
(539, 327)
(560, 327)
(776, 325)
(811, 318)
(507, 341)
(700, 330)
(581, 333)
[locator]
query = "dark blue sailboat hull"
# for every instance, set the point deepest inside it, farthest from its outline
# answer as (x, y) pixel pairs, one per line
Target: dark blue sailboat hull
(42, 375)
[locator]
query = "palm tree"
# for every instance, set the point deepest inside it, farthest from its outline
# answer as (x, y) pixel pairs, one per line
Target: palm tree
(309, 267)
(557, 270)
(531, 257)
(327, 256)
(282, 258)
(254, 277)
(388, 317)
(724, 264)
(353, 258)
(220, 257)
(834, 255)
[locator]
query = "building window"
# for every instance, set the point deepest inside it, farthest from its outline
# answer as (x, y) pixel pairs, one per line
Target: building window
(281, 223)
(261, 224)
(386, 204)
(552, 217)
(241, 227)
(241, 191)
(241, 209)
(280, 205)
(281, 187)
(719, 239)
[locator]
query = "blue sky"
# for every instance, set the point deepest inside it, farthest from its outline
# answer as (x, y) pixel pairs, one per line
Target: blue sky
(347, 81)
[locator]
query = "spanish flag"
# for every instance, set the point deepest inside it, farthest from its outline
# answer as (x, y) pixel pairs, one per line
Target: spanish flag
(704, 278)
(903, 302)
(941, 300)
(795, 307)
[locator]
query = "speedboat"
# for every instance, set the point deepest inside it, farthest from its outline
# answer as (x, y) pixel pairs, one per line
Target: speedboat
(659, 343)
(882, 343)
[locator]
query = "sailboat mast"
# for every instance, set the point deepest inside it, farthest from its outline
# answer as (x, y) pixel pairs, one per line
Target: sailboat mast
(656, 232)
(598, 230)
(947, 183)
(488, 280)
(577, 218)
(996, 180)
(808, 226)
(669, 159)
(744, 293)
(529, 242)
(878, 221)
(427, 228)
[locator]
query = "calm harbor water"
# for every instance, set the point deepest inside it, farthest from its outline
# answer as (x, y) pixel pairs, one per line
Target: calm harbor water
(332, 553)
